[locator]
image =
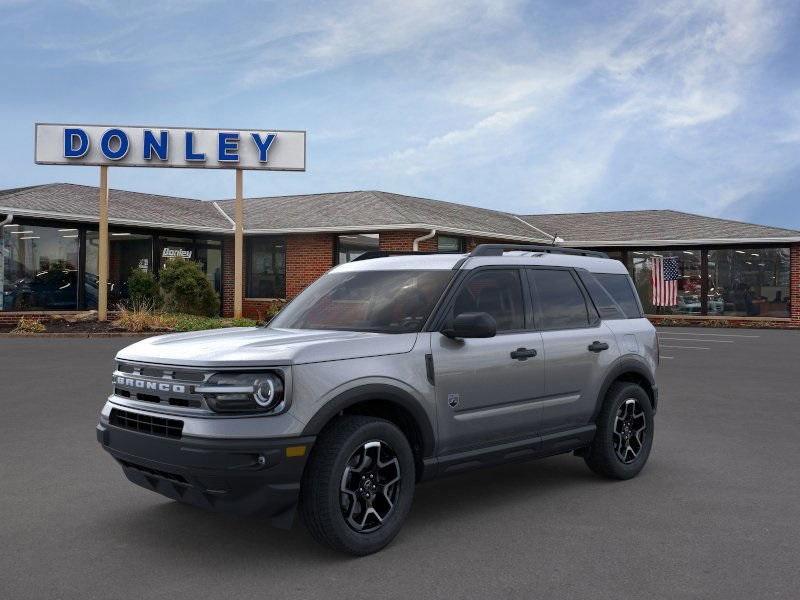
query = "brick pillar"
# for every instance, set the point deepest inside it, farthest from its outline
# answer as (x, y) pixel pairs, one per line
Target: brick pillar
(227, 277)
(308, 256)
(794, 283)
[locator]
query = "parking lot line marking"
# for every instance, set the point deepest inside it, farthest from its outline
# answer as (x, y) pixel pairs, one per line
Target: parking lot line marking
(669, 357)
(689, 347)
(671, 339)
(736, 335)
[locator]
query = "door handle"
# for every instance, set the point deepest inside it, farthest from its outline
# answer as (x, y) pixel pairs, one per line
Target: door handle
(523, 353)
(596, 346)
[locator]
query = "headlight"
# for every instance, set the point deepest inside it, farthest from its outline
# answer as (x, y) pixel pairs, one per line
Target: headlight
(243, 392)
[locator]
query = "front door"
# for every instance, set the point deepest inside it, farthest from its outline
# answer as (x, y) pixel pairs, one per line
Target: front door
(484, 394)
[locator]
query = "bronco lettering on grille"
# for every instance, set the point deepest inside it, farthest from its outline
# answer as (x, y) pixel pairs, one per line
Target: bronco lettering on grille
(144, 384)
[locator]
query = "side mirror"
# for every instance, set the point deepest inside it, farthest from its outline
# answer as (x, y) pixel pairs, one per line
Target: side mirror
(472, 325)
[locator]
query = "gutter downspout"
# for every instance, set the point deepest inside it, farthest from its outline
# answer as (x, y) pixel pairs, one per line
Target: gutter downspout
(427, 236)
(7, 220)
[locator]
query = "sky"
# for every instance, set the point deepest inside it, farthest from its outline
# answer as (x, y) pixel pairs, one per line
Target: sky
(527, 107)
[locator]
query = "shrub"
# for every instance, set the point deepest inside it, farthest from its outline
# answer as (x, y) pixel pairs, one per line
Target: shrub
(186, 290)
(141, 317)
(143, 289)
(26, 325)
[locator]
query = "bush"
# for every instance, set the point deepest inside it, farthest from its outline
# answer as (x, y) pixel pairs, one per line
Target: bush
(26, 325)
(143, 289)
(141, 317)
(186, 290)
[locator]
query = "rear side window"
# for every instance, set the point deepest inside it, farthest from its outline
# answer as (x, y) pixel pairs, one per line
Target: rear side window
(560, 300)
(620, 289)
(497, 292)
(607, 307)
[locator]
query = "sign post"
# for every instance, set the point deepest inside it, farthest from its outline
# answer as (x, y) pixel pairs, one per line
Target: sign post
(175, 147)
(238, 243)
(103, 253)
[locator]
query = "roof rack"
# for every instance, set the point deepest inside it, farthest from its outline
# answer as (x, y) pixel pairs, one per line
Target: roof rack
(499, 249)
(384, 253)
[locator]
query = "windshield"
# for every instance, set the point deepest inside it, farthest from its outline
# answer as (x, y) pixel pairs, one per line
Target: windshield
(378, 301)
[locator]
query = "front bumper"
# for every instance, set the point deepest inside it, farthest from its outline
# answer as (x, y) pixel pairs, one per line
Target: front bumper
(246, 477)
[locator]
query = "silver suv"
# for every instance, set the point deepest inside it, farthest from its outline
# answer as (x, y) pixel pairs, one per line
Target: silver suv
(385, 372)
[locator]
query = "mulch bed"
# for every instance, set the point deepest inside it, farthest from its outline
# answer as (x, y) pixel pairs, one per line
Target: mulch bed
(87, 327)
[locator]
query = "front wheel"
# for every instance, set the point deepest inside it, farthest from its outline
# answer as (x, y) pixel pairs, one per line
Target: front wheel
(358, 486)
(624, 435)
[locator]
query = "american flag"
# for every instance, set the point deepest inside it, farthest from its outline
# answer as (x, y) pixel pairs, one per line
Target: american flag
(665, 280)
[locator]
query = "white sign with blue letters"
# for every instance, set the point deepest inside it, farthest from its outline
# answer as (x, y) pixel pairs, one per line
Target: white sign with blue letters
(123, 146)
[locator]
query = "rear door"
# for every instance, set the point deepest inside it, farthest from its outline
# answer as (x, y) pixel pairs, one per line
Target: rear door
(487, 389)
(578, 348)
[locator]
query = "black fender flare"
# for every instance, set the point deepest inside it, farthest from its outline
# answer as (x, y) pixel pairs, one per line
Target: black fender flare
(624, 365)
(375, 391)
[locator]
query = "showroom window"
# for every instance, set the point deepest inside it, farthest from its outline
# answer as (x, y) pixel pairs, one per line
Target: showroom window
(128, 252)
(39, 267)
(748, 282)
(668, 281)
(350, 247)
(450, 244)
(266, 267)
(209, 255)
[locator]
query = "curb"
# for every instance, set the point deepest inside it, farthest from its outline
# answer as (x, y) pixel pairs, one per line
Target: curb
(80, 335)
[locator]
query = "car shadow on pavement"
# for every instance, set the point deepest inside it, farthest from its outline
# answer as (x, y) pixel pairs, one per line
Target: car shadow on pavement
(174, 529)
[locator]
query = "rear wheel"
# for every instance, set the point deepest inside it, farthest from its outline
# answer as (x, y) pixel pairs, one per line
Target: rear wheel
(624, 435)
(358, 487)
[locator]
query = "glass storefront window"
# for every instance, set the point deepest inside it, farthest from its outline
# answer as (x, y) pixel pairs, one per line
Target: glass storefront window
(266, 267)
(687, 298)
(209, 255)
(749, 282)
(173, 247)
(39, 268)
(128, 251)
(350, 247)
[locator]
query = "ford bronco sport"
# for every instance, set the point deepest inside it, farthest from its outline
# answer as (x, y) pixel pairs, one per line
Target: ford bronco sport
(385, 372)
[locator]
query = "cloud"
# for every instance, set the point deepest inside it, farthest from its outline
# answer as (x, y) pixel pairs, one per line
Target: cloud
(476, 143)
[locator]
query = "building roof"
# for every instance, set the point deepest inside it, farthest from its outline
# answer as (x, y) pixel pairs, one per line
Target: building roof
(80, 203)
(374, 210)
(660, 227)
(370, 211)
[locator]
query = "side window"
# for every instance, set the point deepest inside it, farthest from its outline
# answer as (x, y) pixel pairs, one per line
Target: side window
(606, 305)
(561, 302)
(620, 288)
(497, 292)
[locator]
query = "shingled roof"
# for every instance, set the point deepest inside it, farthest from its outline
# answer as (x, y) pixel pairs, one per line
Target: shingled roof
(79, 203)
(364, 211)
(374, 210)
(637, 227)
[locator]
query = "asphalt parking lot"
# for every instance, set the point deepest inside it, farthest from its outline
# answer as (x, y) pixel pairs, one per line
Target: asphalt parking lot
(715, 514)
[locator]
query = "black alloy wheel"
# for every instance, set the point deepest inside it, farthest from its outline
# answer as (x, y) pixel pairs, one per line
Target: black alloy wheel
(358, 485)
(624, 435)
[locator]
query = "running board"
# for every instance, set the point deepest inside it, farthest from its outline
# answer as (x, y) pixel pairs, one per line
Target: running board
(518, 450)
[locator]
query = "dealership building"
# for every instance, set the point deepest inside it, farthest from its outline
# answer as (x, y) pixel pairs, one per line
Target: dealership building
(741, 273)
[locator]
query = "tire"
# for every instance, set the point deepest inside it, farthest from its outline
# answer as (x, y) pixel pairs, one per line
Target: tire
(345, 457)
(614, 440)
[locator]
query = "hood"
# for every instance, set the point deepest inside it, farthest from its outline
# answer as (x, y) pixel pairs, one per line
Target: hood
(260, 346)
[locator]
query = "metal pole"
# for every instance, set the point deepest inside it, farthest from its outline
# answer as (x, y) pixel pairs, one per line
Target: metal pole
(102, 258)
(238, 255)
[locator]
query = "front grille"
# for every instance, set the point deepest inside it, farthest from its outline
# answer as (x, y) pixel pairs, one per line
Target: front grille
(162, 372)
(167, 386)
(169, 428)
